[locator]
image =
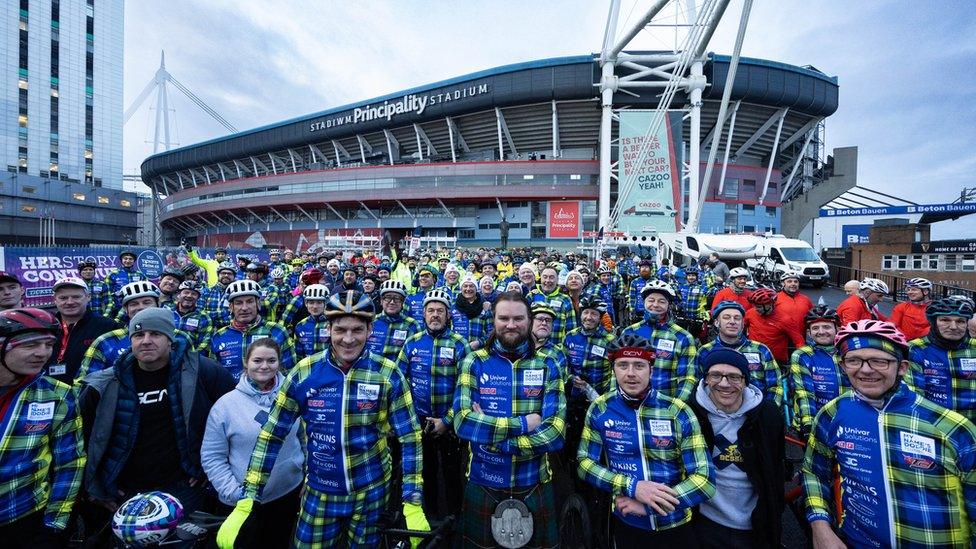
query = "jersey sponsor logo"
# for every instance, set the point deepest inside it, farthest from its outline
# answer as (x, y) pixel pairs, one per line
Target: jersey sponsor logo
(152, 397)
(36, 427)
(662, 442)
(623, 466)
(487, 390)
(917, 444)
(923, 464)
(614, 434)
(845, 444)
(316, 403)
(367, 391)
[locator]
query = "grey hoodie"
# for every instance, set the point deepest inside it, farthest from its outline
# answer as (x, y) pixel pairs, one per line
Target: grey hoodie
(735, 497)
(228, 443)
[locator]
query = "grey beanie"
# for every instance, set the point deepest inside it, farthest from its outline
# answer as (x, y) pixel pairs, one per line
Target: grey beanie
(156, 319)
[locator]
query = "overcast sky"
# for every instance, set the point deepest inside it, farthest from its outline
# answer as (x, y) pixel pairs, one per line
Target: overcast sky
(905, 69)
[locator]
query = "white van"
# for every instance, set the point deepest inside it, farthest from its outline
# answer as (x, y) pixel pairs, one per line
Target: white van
(790, 254)
(733, 249)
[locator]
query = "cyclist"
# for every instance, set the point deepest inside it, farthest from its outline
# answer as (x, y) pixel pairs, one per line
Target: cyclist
(210, 265)
(193, 321)
(727, 317)
(392, 327)
(636, 285)
(169, 285)
(510, 406)
(604, 290)
(692, 295)
(543, 318)
(674, 348)
(295, 310)
(657, 466)
(42, 454)
(907, 465)
(429, 362)
(527, 274)
(864, 304)
(97, 289)
(944, 361)
(745, 436)
(281, 292)
(275, 260)
(349, 281)
(815, 372)
(216, 300)
(11, 291)
(736, 291)
(471, 314)
(549, 293)
(312, 332)
(426, 277)
(909, 316)
(229, 343)
(121, 276)
(347, 399)
(452, 281)
(791, 302)
(79, 328)
(768, 324)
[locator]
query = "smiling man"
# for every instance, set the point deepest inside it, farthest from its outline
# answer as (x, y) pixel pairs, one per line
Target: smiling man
(744, 433)
(79, 328)
(229, 343)
(907, 465)
(11, 291)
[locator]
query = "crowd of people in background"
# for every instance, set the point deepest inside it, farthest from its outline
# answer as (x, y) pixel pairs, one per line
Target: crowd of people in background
(309, 397)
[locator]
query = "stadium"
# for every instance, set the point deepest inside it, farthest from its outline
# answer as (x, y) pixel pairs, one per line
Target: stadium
(455, 161)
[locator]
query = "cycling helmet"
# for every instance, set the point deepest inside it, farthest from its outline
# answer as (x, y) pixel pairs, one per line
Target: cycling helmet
(659, 287)
(920, 283)
(949, 307)
(349, 303)
(786, 275)
(311, 276)
(242, 288)
(762, 296)
(129, 253)
(274, 251)
(348, 267)
(394, 286)
(316, 292)
(542, 308)
(146, 519)
(874, 285)
(258, 267)
(438, 296)
(964, 299)
(727, 304)
(135, 290)
(604, 269)
(227, 266)
(190, 268)
(174, 271)
(630, 346)
(692, 270)
(821, 314)
(737, 272)
(70, 281)
(14, 322)
(192, 285)
(383, 267)
(86, 265)
(277, 272)
(872, 328)
(592, 302)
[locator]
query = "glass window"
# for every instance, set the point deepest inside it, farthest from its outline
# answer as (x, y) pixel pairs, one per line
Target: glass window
(731, 187)
(748, 228)
(29, 190)
(969, 262)
(104, 200)
(125, 203)
(78, 196)
(749, 186)
(916, 262)
(951, 262)
(901, 262)
(28, 209)
(771, 211)
(932, 262)
(800, 254)
(748, 208)
(886, 261)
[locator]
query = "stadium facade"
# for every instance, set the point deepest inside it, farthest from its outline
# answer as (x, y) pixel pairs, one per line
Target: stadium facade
(454, 158)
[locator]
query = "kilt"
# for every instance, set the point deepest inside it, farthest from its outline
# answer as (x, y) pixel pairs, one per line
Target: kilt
(479, 506)
(329, 520)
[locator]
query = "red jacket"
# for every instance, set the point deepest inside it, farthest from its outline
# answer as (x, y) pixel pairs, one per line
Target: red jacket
(854, 308)
(910, 318)
(726, 294)
(796, 307)
(776, 331)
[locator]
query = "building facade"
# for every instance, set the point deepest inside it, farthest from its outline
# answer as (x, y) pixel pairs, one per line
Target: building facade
(453, 158)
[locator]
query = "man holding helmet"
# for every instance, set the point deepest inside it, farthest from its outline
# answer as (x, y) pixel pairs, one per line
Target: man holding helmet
(348, 466)
(907, 465)
(864, 304)
(42, 454)
(944, 361)
(909, 316)
(229, 343)
(647, 451)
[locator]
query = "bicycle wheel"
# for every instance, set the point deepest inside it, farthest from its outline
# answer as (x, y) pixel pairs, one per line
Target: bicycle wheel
(575, 531)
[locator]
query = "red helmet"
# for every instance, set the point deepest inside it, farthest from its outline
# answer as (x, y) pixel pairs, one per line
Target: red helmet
(821, 314)
(311, 276)
(872, 328)
(15, 322)
(762, 296)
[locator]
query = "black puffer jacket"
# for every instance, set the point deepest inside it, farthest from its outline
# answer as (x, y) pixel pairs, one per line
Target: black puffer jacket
(80, 338)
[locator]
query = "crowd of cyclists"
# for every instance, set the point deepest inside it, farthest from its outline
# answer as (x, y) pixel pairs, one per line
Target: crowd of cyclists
(308, 398)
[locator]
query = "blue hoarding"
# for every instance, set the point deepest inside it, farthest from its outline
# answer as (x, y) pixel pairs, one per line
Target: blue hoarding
(891, 210)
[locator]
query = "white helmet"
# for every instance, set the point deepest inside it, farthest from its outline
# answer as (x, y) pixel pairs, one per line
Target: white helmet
(919, 282)
(135, 290)
(394, 286)
(657, 286)
(277, 272)
(737, 272)
(316, 291)
(241, 288)
(874, 285)
(788, 275)
(438, 296)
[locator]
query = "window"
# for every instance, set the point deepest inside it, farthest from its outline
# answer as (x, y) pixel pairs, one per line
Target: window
(886, 262)
(932, 262)
(748, 228)
(28, 209)
(969, 263)
(916, 262)
(749, 186)
(951, 262)
(29, 190)
(79, 196)
(771, 211)
(125, 203)
(901, 262)
(104, 200)
(731, 188)
(749, 208)
(465, 233)
(539, 231)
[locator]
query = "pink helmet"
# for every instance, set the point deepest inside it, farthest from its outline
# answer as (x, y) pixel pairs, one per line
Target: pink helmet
(872, 328)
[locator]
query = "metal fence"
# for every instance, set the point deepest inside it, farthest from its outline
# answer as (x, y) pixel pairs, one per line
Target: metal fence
(840, 274)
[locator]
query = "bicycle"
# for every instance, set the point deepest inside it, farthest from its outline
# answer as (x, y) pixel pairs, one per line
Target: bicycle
(394, 537)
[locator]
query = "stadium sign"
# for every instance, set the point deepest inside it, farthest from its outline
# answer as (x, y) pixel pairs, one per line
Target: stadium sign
(962, 209)
(945, 247)
(392, 108)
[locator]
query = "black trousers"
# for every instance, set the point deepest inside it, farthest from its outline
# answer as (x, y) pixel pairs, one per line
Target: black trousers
(29, 532)
(626, 536)
(442, 472)
(714, 535)
(277, 519)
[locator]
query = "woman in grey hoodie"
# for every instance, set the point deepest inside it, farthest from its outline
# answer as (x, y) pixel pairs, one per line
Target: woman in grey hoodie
(228, 442)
